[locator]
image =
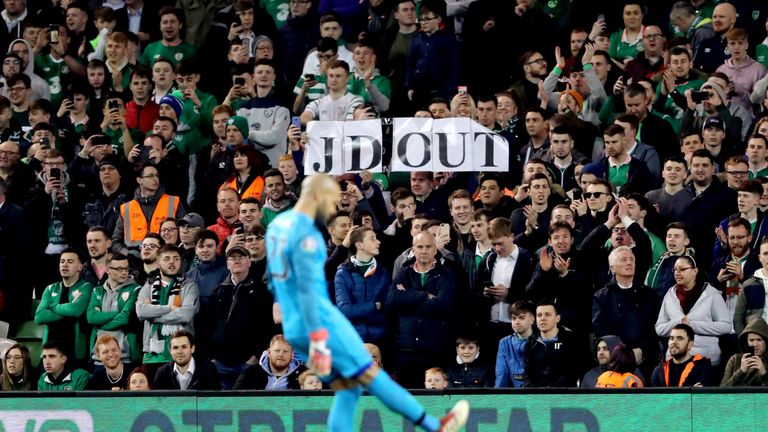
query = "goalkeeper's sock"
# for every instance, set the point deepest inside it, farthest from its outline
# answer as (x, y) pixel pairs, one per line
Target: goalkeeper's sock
(400, 401)
(342, 415)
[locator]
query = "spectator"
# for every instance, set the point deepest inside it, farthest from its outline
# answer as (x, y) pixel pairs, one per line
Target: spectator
(149, 251)
(649, 63)
(654, 130)
(18, 373)
(561, 361)
(361, 286)
(748, 369)
(18, 177)
(749, 303)
(695, 303)
(296, 36)
(63, 306)
(625, 43)
(111, 376)
(228, 205)
(661, 275)
(167, 302)
(171, 47)
(535, 70)
(169, 231)
(694, 25)
(111, 311)
(210, 269)
(184, 372)
(513, 349)
(366, 81)
(478, 248)
(424, 311)
(142, 111)
(621, 370)
(467, 371)
(309, 381)
(240, 319)
(757, 152)
(626, 173)
(742, 70)
(730, 270)
(435, 379)
(683, 368)
(713, 51)
(60, 373)
(329, 107)
(604, 345)
(195, 119)
(277, 369)
(674, 175)
(277, 200)
(137, 380)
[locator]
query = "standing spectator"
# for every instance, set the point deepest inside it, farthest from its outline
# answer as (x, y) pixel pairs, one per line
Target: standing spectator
(361, 287)
(209, 270)
(398, 41)
(626, 42)
(61, 373)
(736, 263)
(241, 325)
(138, 17)
(478, 248)
(228, 206)
(692, 23)
(366, 81)
(277, 200)
(653, 129)
(63, 306)
(142, 111)
(661, 276)
(171, 47)
(195, 120)
(750, 303)
(330, 27)
(339, 104)
(167, 302)
(296, 37)
(749, 368)
(682, 368)
(673, 174)
(742, 70)
(626, 173)
(423, 300)
(433, 63)
(694, 302)
(19, 178)
(713, 51)
(183, 372)
(112, 310)
(513, 349)
(14, 256)
(534, 71)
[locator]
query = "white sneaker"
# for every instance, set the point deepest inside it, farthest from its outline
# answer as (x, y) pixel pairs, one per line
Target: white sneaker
(456, 417)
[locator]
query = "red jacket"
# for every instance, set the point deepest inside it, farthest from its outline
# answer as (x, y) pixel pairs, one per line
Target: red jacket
(141, 117)
(223, 230)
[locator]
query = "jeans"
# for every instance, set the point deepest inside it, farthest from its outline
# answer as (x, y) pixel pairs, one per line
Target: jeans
(228, 375)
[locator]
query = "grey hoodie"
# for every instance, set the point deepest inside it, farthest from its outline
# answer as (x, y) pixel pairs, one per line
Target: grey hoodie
(590, 378)
(277, 383)
(40, 89)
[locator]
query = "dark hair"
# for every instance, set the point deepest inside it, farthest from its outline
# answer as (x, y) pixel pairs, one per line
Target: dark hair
(686, 133)
(338, 214)
(56, 345)
(327, 44)
(562, 130)
(488, 98)
(548, 302)
(680, 226)
(752, 186)
(613, 130)
(267, 62)
(685, 327)
(168, 248)
(522, 306)
(273, 173)
(622, 359)
(482, 213)
(101, 229)
(467, 339)
(155, 236)
(206, 234)
(329, 17)
(556, 226)
(357, 236)
(142, 370)
(27, 374)
(336, 64)
(629, 118)
(167, 119)
(760, 137)
(166, 10)
(680, 50)
(250, 200)
(187, 67)
(71, 250)
(183, 333)
(20, 77)
(676, 159)
(703, 153)
(439, 100)
(116, 256)
(634, 89)
(142, 166)
(4, 103)
(489, 176)
(400, 194)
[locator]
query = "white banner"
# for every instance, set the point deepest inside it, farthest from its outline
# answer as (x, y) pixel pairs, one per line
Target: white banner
(455, 144)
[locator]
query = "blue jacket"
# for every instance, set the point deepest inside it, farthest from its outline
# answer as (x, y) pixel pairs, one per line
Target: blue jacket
(510, 362)
(356, 298)
(433, 64)
(207, 276)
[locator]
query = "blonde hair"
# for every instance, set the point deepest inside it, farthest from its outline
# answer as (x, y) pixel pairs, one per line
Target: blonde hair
(304, 375)
(456, 103)
(436, 370)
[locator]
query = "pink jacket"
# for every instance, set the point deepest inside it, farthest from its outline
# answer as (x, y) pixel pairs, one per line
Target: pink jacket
(744, 77)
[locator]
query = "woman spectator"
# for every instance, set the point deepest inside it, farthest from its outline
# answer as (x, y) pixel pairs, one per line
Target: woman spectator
(462, 105)
(622, 371)
(246, 178)
(139, 379)
(169, 231)
(626, 43)
(695, 302)
(18, 373)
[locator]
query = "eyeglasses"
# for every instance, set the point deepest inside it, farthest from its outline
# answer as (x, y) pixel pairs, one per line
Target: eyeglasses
(7, 153)
(150, 246)
(619, 229)
(737, 173)
(653, 36)
(237, 259)
(594, 194)
(150, 176)
(14, 358)
(16, 89)
(680, 270)
(168, 230)
(539, 61)
(119, 269)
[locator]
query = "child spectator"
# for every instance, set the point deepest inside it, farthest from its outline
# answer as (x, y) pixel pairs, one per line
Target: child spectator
(435, 378)
(467, 371)
(309, 381)
(510, 360)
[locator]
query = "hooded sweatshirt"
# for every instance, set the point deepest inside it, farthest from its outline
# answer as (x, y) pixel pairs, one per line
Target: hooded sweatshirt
(273, 382)
(744, 77)
(40, 89)
(734, 376)
(750, 303)
(590, 378)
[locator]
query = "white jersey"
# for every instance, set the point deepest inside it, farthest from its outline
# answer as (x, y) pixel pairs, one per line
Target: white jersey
(341, 109)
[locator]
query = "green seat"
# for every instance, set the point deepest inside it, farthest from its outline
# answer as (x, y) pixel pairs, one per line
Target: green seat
(35, 304)
(30, 330)
(35, 347)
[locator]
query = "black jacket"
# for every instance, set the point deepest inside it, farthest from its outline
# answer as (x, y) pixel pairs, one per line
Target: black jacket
(149, 22)
(241, 322)
(560, 364)
(206, 377)
(701, 372)
(658, 133)
(255, 378)
(594, 246)
(639, 179)
(520, 278)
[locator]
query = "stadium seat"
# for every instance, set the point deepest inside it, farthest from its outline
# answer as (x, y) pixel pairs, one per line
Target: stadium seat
(35, 304)
(30, 330)
(35, 347)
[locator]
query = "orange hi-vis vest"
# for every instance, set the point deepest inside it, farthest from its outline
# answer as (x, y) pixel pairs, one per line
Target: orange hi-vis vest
(686, 371)
(135, 221)
(253, 191)
(612, 379)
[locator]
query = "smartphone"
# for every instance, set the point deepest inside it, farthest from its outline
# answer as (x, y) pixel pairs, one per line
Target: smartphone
(296, 121)
(113, 104)
(462, 89)
(55, 174)
(445, 229)
(240, 81)
(53, 33)
(45, 143)
(102, 140)
(749, 351)
(344, 186)
(550, 250)
(239, 228)
(699, 96)
(309, 77)
(578, 194)
(601, 17)
(238, 21)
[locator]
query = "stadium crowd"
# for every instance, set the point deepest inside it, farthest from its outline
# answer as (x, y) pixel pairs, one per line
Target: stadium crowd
(145, 148)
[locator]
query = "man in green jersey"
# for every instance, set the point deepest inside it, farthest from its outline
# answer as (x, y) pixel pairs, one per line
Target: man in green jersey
(171, 46)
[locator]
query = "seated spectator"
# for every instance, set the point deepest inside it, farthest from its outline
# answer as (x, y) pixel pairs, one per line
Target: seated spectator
(467, 371)
(604, 345)
(137, 380)
(621, 371)
(18, 373)
(309, 381)
(60, 373)
(512, 354)
(361, 286)
(749, 368)
(750, 302)
(111, 376)
(184, 372)
(375, 353)
(112, 311)
(682, 368)
(697, 304)
(435, 379)
(561, 362)
(277, 369)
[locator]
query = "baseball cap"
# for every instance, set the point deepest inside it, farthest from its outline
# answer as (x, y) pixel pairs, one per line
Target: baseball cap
(713, 121)
(238, 249)
(192, 219)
